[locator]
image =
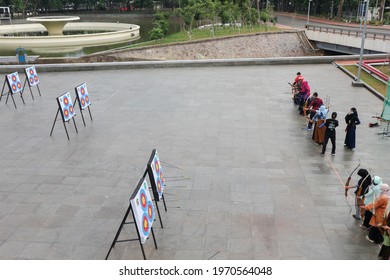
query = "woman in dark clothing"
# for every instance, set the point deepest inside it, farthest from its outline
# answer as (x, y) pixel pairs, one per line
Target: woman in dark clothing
(352, 121)
(361, 189)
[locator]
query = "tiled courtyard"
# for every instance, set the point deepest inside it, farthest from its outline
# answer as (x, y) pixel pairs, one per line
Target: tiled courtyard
(244, 179)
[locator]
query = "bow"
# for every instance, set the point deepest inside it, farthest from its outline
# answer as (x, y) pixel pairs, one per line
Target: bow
(349, 178)
(346, 187)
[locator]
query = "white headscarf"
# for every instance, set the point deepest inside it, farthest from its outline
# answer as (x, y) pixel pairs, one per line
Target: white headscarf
(385, 189)
(322, 112)
(377, 180)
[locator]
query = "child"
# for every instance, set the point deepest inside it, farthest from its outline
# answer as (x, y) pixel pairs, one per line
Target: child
(330, 133)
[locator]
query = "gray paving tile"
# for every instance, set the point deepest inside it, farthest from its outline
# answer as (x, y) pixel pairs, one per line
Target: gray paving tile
(252, 172)
(11, 249)
(34, 251)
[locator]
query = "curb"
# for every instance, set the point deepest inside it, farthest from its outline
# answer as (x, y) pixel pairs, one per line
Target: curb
(63, 67)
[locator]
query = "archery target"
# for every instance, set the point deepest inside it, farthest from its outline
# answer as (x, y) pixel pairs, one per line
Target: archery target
(83, 96)
(143, 209)
(14, 83)
(32, 76)
(158, 175)
(66, 106)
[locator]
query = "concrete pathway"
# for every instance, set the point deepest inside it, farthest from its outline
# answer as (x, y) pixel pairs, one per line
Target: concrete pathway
(251, 183)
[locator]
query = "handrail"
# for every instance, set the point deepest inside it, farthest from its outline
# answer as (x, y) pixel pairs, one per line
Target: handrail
(348, 31)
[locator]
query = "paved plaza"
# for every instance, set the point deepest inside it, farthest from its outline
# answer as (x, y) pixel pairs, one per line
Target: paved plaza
(244, 179)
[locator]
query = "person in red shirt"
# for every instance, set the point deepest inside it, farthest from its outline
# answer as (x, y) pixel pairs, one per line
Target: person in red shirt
(304, 94)
(295, 86)
(314, 105)
(297, 78)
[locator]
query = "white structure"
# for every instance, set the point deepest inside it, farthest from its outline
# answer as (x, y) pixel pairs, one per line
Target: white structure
(5, 14)
(109, 33)
(54, 25)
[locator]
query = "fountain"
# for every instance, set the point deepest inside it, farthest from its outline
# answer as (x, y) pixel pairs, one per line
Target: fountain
(102, 33)
(54, 25)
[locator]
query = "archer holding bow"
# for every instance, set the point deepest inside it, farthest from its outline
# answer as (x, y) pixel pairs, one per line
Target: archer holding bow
(361, 189)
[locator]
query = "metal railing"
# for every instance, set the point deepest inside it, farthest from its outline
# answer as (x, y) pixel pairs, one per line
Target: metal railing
(346, 31)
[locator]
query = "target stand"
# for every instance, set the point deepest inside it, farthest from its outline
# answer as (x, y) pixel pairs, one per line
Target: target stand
(65, 106)
(83, 100)
(32, 80)
(157, 181)
(142, 210)
(14, 87)
(385, 132)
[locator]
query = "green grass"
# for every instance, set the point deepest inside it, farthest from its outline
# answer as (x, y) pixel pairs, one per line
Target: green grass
(385, 69)
(198, 34)
(368, 79)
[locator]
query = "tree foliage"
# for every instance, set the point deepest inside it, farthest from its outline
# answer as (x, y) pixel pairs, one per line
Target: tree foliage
(247, 12)
(160, 26)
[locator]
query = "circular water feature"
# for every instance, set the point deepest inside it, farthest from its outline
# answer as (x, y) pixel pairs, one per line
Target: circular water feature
(46, 36)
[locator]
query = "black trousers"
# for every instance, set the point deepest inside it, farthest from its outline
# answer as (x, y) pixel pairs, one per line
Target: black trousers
(375, 235)
(367, 218)
(312, 114)
(332, 137)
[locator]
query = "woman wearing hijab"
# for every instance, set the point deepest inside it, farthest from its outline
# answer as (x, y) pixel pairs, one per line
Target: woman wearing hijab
(352, 121)
(379, 211)
(319, 118)
(372, 194)
(361, 188)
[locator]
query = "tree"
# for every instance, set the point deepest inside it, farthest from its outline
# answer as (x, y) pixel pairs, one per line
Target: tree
(212, 8)
(189, 12)
(227, 14)
(160, 26)
(340, 9)
(381, 10)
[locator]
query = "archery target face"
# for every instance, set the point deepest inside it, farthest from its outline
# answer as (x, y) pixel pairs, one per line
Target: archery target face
(66, 105)
(144, 211)
(83, 96)
(32, 76)
(14, 83)
(158, 175)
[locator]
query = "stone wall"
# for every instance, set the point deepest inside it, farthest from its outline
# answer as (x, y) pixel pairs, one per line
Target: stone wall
(259, 45)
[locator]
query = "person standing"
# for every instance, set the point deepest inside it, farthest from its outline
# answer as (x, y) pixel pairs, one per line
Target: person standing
(370, 196)
(352, 121)
(303, 94)
(330, 133)
(319, 119)
(314, 105)
(361, 188)
(378, 219)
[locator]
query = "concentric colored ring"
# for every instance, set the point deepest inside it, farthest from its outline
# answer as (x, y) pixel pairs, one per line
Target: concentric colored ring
(143, 199)
(145, 225)
(150, 212)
